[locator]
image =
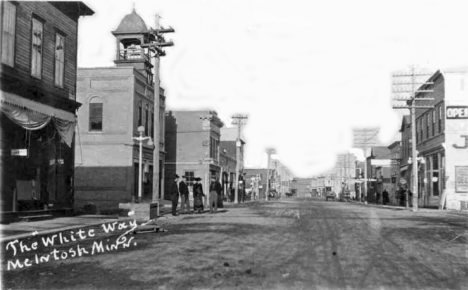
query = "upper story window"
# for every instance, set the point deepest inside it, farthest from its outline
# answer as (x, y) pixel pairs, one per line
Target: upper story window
(152, 124)
(95, 115)
(427, 125)
(161, 125)
(59, 59)
(140, 113)
(8, 33)
(420, 130)
(440, 119)
(433, 114)
(417, 130)
(214, 148)
(36, 48)
(146, 119)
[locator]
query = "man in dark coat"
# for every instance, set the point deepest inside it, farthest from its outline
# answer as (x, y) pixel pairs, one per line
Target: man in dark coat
(220, 193)
(175, 194)
(385, 199)
(184, 196)
(215, 191)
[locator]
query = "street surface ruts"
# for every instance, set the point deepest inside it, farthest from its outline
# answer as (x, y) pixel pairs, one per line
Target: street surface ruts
(287, 244)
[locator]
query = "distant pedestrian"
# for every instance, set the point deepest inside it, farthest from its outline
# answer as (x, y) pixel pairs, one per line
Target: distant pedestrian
(385, 199)
(184, 196)
(402, 195)
(214, 195)
(233, 193)
(175, 194)
(198, 196)
(410, 198)
(377, 197)
(219, 190)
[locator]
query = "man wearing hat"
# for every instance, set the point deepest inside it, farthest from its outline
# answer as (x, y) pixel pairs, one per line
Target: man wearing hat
(184, 196)
(215, 191)
(175, 194)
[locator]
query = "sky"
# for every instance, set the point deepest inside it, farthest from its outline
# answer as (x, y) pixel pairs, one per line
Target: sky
(305, 72)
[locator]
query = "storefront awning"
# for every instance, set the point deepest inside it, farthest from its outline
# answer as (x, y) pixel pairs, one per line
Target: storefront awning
(19, 102)
(31, 115)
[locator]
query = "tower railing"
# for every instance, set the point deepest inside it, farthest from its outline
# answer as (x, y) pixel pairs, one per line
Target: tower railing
(133, 54)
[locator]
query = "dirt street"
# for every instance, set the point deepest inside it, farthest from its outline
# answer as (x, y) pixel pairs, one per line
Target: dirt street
(287, 244)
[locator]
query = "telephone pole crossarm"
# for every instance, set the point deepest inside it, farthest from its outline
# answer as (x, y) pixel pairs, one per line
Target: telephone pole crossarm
(412, 106)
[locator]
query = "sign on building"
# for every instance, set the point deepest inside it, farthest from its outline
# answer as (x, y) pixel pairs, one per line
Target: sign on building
(457, 112)
(19, 152)
(381, 162)
(461, 178)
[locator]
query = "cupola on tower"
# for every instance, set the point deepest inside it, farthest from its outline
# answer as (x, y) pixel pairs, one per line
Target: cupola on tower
(130, 35)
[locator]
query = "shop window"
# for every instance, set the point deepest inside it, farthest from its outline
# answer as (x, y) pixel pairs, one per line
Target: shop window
(59, 59)
(95, 115)
(435, 162)
(190, 176)
(36, 48)
(435, 183)
(8, 33)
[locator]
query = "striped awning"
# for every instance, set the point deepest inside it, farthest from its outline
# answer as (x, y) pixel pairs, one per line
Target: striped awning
(20, 102)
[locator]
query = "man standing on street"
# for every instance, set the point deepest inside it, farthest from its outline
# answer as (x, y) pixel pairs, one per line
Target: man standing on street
(215, 187)
(184, 196)
(175, 194)
(219, 190)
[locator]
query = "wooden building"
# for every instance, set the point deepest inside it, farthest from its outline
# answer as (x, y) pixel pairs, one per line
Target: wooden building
(37, 104)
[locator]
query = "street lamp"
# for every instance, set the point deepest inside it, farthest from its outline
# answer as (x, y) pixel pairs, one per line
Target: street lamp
(141, 139)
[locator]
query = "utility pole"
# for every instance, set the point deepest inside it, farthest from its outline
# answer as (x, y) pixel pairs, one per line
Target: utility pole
(238, 119)
(155, 45)
(269, 152)
(411, 104)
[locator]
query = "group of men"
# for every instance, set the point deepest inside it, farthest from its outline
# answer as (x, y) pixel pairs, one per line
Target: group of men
(180, 188)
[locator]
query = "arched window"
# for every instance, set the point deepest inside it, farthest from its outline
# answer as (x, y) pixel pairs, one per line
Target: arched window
(95, 114)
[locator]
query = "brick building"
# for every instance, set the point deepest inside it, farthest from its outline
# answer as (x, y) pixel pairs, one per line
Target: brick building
(192, 144)
(116, 101)
(228, 145)
(442, 141)
(379, 173)
(38, 106)
(228, 163)
(395, 157)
